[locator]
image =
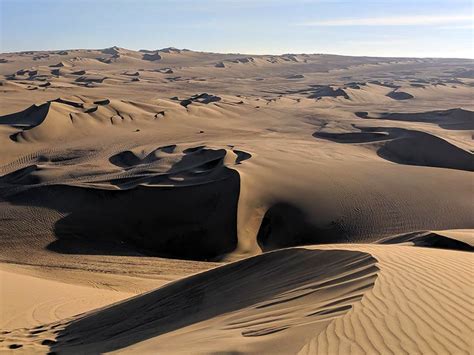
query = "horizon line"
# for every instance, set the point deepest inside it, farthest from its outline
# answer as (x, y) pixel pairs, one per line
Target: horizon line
(237, 53)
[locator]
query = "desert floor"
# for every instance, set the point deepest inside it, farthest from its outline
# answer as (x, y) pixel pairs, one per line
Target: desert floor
(173, 201)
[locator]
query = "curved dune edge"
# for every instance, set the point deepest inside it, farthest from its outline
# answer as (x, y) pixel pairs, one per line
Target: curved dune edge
(188, 194)
(420, 304)
(454, 119)
(454, 239)
(406, 146)
(461, 235)
(241, 306)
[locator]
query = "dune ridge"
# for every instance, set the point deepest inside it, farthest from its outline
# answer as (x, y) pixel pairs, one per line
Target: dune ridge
(293, 297)
(408, 147)
(407, 299)
(451, 239)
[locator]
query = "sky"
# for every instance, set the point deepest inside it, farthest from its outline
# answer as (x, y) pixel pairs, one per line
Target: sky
(402, 28)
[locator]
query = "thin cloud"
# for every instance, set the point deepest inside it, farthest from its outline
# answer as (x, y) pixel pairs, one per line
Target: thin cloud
(418, 20)
(469, 26)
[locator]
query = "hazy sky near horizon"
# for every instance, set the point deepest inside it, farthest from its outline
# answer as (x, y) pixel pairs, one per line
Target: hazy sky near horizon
(422, 28)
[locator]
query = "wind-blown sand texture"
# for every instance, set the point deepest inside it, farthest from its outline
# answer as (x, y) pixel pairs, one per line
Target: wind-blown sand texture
(172, 201)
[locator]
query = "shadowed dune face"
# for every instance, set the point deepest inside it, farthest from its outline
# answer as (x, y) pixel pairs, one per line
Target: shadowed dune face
(454, 119)
(326, 91)
(128, 159)
(243, 305)
(284, 225)
(192, 222)
(152, 56)
(186, 210)
(407, 147)
(400, 95)
(431, 240)
(203, 98)
(29, 118)
(318, 91)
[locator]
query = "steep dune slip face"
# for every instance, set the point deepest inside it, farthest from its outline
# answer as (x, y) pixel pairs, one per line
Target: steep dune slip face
(334, 299)
(285, 225)
(31, 117)
(281, 299)
(450, 239)
(186, 210)
(407, 147)
(453, 119)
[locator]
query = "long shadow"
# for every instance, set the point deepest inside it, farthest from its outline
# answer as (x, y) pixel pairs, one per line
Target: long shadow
(316, 92)
(428, 240)
(221, 291)
(285, 225)
(452, 119)
(408, 147)
(193, 218)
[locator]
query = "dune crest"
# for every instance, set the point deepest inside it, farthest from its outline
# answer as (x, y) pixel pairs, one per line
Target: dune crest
(293, 300)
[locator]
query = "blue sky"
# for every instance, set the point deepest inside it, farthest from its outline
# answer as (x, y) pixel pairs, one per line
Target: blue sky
(422, 28)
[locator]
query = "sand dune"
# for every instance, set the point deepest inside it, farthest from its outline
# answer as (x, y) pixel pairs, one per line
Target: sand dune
(400, 95)
(139, 182)
(456, 119)
(450, 239)
(338, 305)
(292, 299)
(170, 181)
(152, 56)
(408, 147)
(203, 98)
(409, 297)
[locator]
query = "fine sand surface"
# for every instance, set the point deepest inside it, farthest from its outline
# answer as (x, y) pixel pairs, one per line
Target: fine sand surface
(172, 201)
